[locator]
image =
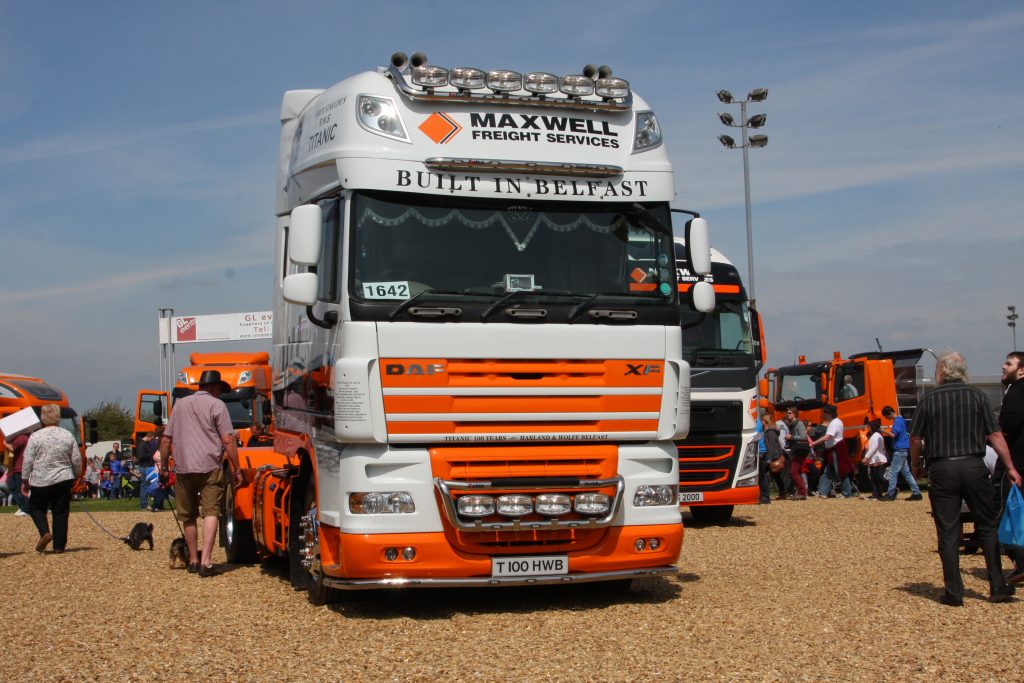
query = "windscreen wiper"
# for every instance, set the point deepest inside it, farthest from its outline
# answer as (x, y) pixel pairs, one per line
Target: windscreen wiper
(508, 298)
(624, 314)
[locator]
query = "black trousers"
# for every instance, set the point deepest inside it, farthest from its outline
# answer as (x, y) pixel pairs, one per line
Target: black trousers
(950, 483)
(56, 497)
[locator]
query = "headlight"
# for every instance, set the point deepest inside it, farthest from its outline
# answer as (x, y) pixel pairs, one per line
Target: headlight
(592, 503)
(748, 463)
(648, 132)
(182, 377)
(380, 116)
(475, 505)
(554, 504)
(514, 505)
(658, 494)
(244, 376)
(381, 503)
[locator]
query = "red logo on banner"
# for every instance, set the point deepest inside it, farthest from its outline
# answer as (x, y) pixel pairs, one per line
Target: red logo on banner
(186, 329)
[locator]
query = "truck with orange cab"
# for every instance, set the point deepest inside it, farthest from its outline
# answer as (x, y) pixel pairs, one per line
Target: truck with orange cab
(478, 372)
(248, 402)
(18, 392)
(859, 386)
(725, 349)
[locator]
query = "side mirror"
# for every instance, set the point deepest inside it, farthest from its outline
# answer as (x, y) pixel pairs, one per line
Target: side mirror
(762, 387)
(757, 334)
(304, 232)
(698, 246)
(703, 296)
(300, 288)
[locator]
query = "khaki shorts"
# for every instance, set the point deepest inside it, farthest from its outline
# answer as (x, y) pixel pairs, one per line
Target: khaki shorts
(199, 494)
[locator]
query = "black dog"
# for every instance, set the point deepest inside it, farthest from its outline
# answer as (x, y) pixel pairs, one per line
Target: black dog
(179, 553)
(139, 533)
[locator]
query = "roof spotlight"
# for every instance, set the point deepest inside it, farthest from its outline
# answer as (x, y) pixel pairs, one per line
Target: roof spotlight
(758, 140)
(726, 118)
(757, 120)
(724, 96)
(758, 95)
(727, 141)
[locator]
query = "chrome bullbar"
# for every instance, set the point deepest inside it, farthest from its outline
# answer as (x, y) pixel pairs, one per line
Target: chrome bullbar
(445, 487)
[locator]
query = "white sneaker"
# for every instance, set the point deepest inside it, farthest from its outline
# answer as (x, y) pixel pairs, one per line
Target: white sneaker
(21, 513)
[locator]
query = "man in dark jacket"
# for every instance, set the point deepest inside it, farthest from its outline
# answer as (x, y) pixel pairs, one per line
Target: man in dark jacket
(1011, 423)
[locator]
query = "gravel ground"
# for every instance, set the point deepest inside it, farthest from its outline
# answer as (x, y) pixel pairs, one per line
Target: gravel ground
(816, 590)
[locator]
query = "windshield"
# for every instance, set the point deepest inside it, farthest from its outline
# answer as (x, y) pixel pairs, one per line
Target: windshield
(800, 385)
(726, 329)
(407, 244)
(239, 403)
(71, 424)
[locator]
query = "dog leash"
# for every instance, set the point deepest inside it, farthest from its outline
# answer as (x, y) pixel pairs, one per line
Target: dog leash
(120, 539)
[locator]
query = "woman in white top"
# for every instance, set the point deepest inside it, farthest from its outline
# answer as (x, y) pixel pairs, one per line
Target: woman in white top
(875, 459)
(52, 462)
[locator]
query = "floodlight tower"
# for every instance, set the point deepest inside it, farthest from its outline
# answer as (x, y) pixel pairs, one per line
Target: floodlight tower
(755, 121)
(1011, 322)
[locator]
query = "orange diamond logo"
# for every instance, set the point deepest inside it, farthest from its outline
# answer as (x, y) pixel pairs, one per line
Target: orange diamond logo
(440, 128)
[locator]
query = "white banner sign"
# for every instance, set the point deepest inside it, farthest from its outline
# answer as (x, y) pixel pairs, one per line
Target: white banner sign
(211, 328)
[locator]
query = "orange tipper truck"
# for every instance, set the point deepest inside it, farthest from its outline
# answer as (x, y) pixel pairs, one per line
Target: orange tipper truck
(18, 392)
(476, 344)
(248, 402)
(859, 386)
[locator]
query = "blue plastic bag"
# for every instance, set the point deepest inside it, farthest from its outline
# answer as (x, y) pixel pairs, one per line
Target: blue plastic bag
(1011, 528)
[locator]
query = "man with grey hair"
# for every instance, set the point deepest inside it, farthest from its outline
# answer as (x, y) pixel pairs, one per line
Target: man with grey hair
(955, 421)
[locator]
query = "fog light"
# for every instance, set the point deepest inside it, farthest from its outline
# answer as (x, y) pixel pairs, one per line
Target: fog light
(553, 504)
(504, 81)
(639, 544)
(467, 78)
(592, 504)
(514, 505)
(611, 87)
(540, 83)
(654, 543)
(430, 76)
(658, 494)
(391, 554)
(408, 554)
(576, 86)
(475, 505)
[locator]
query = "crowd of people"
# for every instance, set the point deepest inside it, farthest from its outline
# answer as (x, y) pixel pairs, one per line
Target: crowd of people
(803, 460)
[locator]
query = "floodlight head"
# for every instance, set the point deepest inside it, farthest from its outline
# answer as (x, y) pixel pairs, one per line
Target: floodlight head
(757, 120)
(758, 140)
(727, 141)
(726, 118)
(724, 96)
(758, 95)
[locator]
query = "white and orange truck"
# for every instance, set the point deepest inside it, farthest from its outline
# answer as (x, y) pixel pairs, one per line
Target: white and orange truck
(725, 349)
(248, 402)
(477, 360)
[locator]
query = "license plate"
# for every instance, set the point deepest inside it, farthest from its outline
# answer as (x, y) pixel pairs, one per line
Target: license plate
(685, 498)
(544, 565)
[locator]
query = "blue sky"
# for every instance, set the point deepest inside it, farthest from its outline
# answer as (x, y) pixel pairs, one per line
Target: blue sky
(138, 144)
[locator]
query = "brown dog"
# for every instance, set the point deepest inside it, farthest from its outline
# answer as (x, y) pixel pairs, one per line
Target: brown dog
(179, 553)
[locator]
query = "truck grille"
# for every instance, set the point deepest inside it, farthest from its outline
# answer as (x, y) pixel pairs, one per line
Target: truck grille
(530, 470)
(441, 400)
